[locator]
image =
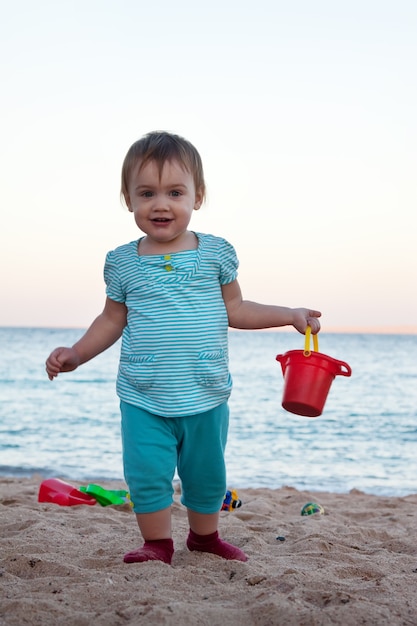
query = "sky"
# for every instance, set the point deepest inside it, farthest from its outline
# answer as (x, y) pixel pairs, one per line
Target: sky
(305, 117)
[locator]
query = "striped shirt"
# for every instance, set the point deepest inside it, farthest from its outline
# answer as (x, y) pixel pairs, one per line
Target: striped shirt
(174, 355)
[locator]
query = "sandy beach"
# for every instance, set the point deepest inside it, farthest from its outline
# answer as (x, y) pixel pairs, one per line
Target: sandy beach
(356, 564)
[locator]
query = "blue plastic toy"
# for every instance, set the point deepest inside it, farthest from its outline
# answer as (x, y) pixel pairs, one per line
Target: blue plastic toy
(231, 501)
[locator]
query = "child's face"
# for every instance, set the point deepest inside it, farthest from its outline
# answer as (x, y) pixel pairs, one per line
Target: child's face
(163, 206)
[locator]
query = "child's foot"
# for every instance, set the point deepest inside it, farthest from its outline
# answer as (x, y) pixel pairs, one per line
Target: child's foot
(157, 550)
(214, 545)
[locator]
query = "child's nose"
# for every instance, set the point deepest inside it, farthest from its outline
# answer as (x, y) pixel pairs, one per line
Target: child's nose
(162, 202)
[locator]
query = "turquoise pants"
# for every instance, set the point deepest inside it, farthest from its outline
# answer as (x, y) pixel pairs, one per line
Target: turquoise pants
(154, 446)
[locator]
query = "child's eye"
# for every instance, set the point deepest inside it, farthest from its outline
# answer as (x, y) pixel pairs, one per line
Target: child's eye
(175, 193)
(147, 194)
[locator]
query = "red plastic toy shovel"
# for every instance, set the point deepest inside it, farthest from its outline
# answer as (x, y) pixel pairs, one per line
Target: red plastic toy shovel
(59, 492)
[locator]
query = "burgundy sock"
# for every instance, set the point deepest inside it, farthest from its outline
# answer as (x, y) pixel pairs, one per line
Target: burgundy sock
(214, 545)
(157, 550)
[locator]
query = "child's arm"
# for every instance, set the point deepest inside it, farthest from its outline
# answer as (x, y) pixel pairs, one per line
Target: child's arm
(251, 315)
(103, 333)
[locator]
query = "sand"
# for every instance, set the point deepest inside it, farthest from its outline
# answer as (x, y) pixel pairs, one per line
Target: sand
(357, 564)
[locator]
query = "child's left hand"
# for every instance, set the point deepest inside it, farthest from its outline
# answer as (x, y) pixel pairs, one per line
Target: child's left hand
(306, 317)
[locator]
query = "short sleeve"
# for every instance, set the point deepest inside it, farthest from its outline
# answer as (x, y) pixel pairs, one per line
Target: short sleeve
(114, 288)
(229, 263)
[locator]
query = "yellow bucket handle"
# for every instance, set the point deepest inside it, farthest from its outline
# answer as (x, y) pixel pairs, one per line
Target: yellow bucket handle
(307, 350)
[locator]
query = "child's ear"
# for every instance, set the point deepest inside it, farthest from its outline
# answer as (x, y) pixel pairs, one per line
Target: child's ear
(128, 203)
(199, 197)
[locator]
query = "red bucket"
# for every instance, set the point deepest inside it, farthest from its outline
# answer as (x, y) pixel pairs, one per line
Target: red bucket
(308, 377)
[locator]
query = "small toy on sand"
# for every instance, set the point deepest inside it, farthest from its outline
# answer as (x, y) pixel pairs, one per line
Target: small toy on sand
(107, 496)
(59, 492)
(311, 508)
(231, 501)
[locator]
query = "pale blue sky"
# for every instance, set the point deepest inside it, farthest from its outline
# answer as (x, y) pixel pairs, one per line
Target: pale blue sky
(304, 114)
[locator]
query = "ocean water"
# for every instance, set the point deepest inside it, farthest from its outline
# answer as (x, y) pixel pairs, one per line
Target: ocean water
(365, 439)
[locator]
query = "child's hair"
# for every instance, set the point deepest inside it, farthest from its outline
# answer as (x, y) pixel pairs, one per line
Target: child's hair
(161, 146)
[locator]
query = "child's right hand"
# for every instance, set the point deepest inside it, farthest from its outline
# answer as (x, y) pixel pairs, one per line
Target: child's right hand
(61, 360)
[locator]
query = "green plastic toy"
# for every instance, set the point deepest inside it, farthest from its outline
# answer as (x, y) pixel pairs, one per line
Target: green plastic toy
(105, 497)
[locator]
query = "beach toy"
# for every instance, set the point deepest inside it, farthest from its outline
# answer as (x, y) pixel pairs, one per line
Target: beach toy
(311, 508)
(308, 377)
(231, 501)
(59, 492)
(107, 496)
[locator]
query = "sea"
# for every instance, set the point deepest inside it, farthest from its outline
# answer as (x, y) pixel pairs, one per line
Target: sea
(365, 439)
